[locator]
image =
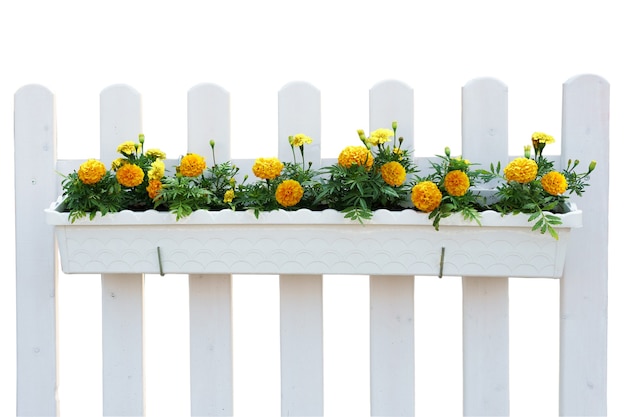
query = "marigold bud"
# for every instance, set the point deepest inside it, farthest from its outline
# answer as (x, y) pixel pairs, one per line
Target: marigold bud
(394, 125)
(592, 166)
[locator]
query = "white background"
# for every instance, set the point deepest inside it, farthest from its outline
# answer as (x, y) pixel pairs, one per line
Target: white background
(252, 49)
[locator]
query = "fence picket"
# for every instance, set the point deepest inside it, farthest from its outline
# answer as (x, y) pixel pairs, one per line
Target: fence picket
(36, 283)
(392, 309)
(122, 294)
(584, 286)
(301, 328)
(210, 295)
(485, 300)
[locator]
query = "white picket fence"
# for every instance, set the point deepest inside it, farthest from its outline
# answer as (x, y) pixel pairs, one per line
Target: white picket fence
(583, 297)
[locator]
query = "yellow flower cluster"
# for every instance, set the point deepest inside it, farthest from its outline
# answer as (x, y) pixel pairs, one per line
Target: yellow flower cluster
(289, 193)
(300, 140)
(128, 148)
(157, 170)
(393, 173)
(267, 168)
(554, 183)
(192, 165)
(380, 136)
(522, 170)
(229, 196)
(456, 183)
(129, 175)
(355, 155)
(426, 196)
(91, 171)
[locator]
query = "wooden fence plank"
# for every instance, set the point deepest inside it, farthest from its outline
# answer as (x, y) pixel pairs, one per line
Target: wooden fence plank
(392, 309)
(584, 286)
(122, 294)
(36, 284)
(302, 371)
(210, 295)
(485, 300)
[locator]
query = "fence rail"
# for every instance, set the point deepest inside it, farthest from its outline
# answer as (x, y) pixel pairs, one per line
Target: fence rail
(583, 298)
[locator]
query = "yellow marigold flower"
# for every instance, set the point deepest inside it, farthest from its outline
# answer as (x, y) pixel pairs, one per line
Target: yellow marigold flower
(300, 140)
(426, 196)
(267, 168)
(157, 170)
(393, 173)
(229, 195)
(399, 152)
(129, 175)
(117, 163)
(554, 183)
(522, 170)
(456, 183)
(153, 188)
(380, 136)
(155, 153)
(192, 165)
(289, 193)
(355, 155)
(542, 138)
(91, 171)
(127, 148)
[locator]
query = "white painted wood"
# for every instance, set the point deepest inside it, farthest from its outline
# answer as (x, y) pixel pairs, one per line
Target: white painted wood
(584, 287)
(301, 345)
(122, 345)
(485, 300)
(208, 118)
(301, 329)
(392, 329)
(391, 101)
(392, 345)
(210, 296)
(36, 284)
(211, 345)
(300, 111)
(122, 294)
(485, 346)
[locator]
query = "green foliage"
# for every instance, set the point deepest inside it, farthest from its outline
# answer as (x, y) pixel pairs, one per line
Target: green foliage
(81, 199)
(469, 203)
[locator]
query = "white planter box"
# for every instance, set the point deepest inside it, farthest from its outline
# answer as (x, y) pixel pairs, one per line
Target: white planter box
(309, 242)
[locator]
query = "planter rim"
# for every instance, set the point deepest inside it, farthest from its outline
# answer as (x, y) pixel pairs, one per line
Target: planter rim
(57, 217)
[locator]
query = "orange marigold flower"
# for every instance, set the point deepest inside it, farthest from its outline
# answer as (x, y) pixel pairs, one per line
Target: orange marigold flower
(355, 155)
(289, 193)
(522, 170)
(426, 196)
(91, 171)
(456, 183)
(393, 173)
(267, 168)
(153, 188)
(554, 183)
(129, 175)
(192, 165)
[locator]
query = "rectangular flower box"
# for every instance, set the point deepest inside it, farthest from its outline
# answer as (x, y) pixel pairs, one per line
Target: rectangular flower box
(309, 242)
